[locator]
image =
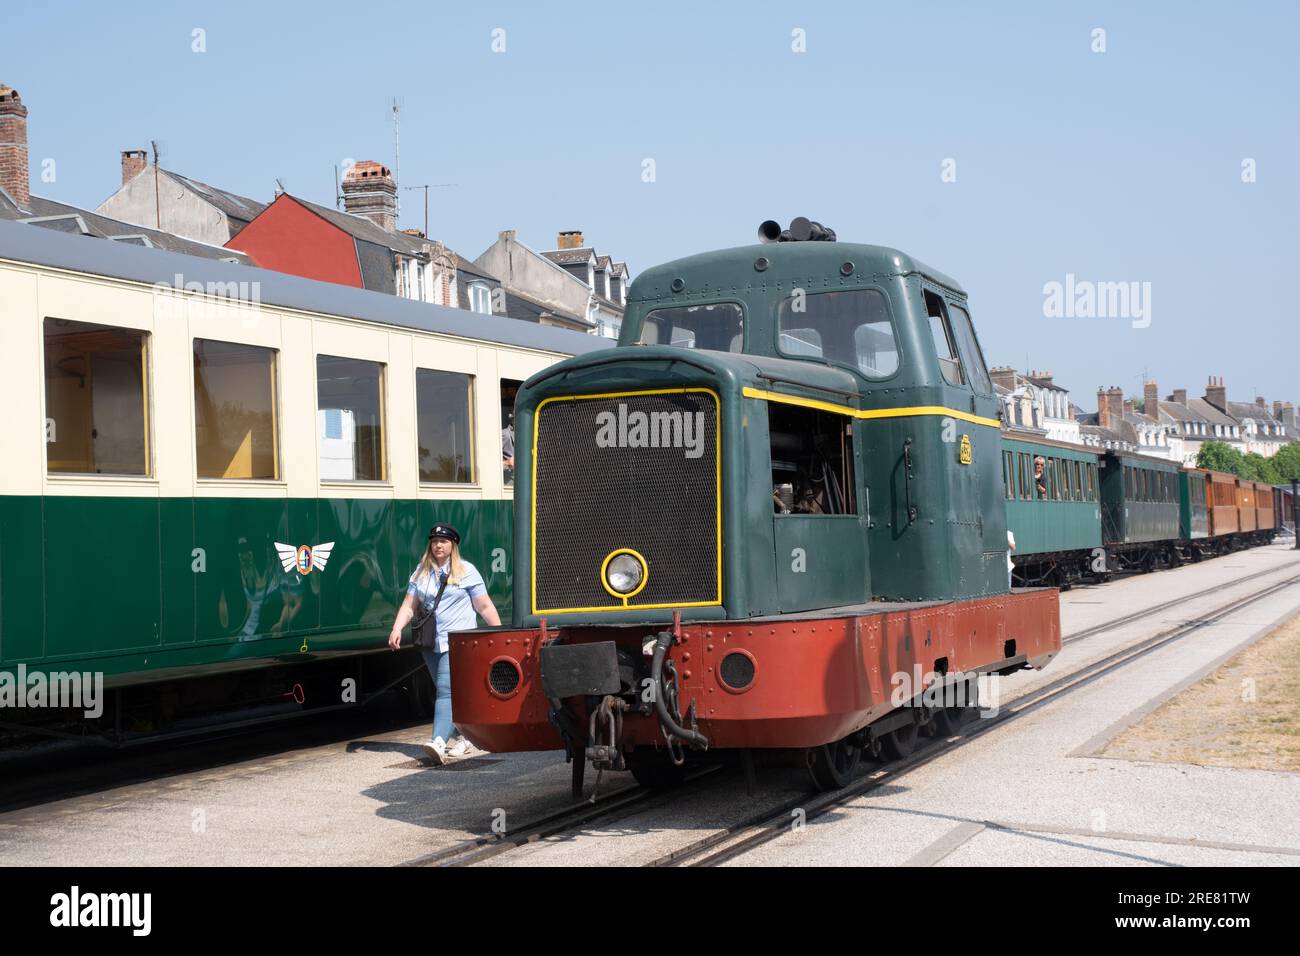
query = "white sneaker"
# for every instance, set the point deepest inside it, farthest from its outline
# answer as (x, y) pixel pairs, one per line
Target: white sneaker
(436, 750)
(460, 747)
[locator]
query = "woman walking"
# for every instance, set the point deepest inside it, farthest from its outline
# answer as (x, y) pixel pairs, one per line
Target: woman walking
(443, 595)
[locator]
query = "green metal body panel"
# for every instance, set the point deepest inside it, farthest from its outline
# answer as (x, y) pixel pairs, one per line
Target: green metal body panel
(954, 546)
(1129, 521)
(1046, 526)
(145, 588)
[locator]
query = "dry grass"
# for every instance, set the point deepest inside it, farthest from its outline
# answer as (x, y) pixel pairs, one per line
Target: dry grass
(1216, 723)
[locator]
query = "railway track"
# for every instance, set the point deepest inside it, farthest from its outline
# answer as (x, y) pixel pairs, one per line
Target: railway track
(621, 802)
(766, 826)
(718, 847)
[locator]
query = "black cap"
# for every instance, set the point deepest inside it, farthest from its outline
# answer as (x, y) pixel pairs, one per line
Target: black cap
(444, 531)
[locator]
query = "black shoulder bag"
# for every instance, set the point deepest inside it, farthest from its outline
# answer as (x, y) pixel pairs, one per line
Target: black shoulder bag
(424, 632)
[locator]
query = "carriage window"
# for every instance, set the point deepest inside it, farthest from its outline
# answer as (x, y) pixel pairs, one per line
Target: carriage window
(851, 328)
(350, 419)
(96, 399)
(1024, 476)
(509, 389)
(717, 327)
(945, 346)
(1008, 475)
(970, 349)
(235, 411)
(812, 461)
(1067, 485)
(444, 424)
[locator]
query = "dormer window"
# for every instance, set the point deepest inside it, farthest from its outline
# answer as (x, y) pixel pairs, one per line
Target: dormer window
(480, 297)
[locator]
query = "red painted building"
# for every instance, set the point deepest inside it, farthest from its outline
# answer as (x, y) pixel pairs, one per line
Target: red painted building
(361, 247)
(289, 236)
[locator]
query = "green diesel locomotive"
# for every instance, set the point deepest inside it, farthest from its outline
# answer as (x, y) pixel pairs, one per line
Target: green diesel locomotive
(750, 524)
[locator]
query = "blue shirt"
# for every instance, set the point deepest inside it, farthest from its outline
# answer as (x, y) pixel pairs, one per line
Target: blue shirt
(456, 609)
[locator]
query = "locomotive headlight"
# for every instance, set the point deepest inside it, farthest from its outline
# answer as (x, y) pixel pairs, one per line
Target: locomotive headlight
(624, 573)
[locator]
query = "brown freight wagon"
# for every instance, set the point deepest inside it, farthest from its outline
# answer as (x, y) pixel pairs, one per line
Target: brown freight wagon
(1245, 506)
(1222, 491)
(1265, 519)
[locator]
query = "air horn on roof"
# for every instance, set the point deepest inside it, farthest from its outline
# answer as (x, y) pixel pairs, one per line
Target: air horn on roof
(801, 230)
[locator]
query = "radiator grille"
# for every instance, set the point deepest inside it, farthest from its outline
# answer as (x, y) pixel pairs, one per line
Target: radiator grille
(600, 484)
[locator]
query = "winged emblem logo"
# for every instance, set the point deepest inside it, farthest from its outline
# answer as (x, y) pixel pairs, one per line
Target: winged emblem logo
(302, 558)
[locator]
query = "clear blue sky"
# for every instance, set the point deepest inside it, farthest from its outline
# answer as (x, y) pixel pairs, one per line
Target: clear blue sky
(1123, 165)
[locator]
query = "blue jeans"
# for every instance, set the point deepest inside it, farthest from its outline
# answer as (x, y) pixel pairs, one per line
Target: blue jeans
(439, 664)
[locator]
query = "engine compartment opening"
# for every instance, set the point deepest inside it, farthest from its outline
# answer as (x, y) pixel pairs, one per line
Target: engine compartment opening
(812, 461)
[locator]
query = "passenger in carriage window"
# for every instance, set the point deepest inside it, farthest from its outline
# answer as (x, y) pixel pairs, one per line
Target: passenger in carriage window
(1040, 479)
(508, 448)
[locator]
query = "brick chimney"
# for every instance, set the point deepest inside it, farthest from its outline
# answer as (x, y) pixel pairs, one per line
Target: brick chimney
(1005, 376)
(1179, 396)
(133, 163)
(14, 171)
(1151, 401)
(1110, 407)
(571, 239)
(369, 191)
(1285, 413)
(1216, 393)
(1259, 400)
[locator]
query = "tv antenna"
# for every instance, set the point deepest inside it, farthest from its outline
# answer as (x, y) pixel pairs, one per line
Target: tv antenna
(426, 189)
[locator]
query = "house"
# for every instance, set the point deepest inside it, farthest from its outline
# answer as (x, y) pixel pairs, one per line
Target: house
(1285, 414)
(1106, 428)
(151, 196)
(1222, 426)
(1036, 393)
(577, 284)
(361, 247)
(1190, 426)
(18, 204)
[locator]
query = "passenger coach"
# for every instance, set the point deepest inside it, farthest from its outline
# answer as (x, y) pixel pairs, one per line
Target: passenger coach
(211, 468)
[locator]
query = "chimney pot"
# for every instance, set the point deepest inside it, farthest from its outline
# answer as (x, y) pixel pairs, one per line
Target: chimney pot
(370, 192)
(1217, 394)
(570, 239)
(133, 162)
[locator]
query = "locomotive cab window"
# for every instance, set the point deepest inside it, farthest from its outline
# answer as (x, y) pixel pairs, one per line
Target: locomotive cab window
(850, 328)
(945, 345)
(350, 419)
(969, 347)
(718, 327)
(812, 461)
(96, 399)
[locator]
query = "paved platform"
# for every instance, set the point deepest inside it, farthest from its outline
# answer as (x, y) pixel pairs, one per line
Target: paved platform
(1022, 795)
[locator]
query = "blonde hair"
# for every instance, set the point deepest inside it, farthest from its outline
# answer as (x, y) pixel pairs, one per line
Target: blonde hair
(427, 564)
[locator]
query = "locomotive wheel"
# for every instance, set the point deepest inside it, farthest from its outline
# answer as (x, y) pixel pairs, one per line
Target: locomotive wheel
(655, 770)
(949, 720)
(833, 764)
(899, 743)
